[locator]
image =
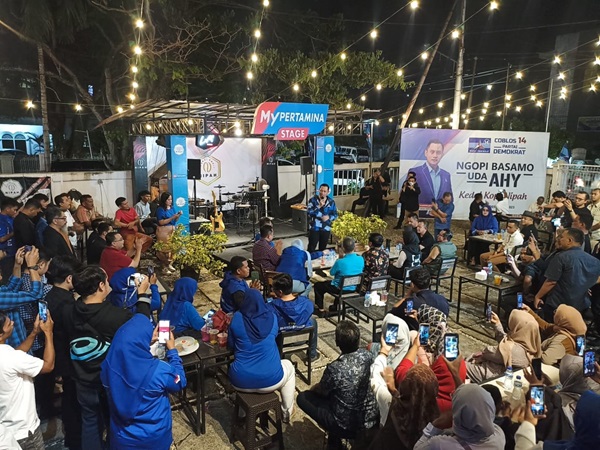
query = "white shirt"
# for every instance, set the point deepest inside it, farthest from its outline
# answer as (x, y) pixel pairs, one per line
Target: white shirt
(512, 240)
(502, 207)
(17, 394)
(69, 216)
(143, 210)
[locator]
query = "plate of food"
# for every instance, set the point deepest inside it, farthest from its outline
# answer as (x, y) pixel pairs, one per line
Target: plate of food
(186, 345)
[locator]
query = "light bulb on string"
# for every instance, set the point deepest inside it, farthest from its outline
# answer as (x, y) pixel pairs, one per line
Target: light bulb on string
(363, 97)
(421, 111)
(563, 90)
(415, 125)
(484, 110)
(532, 88)
(493, 5)
(376, 122)
(557, 59)
(597, 61)
(139, 23)
(424, 56)
(343, 56)
(518, 109)
(313, 74)
(330, 127)
(437, 120)
(593, 87)
(119, 109)
(254, 57)
(440, 104)
(131, 96)
(507, 104)
(489, 87)
(134, 69)
(391, 119)
(508, 97)
(498, 113)
(237, 124)
(266, 3)
(533, 98)
(463, 116)
(481, 118)
(561, 76)
(399, 73)
(404, 116)
(78, 107)
(414, 4)
(29, 104)
(249, 75)
(486, 104)
(296, 87)
(455, 34)
(238, 132)
(137, 50)
(539, 103)
(374, 34)
(446, 119)
(132, 106)
(148, 126)
(257, 33)
(378, 87)
(519, 75)
(463, 96)
(468, 111)
(348, 105)
(135, 85)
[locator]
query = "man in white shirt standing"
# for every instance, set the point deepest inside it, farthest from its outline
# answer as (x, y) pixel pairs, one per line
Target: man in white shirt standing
(594, 208)
(17, 370)
(512, 239)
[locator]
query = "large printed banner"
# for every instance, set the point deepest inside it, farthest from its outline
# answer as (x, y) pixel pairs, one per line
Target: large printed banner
(21, 188)
(289, 121)
(466, 162)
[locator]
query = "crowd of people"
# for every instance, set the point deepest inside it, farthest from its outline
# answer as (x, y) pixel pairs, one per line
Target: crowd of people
(90, 324)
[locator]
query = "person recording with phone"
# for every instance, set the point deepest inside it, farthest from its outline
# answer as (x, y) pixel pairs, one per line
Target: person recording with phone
(17, 371)
(124, 293)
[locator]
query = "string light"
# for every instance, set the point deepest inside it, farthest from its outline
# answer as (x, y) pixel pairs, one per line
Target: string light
(378, 87)
(330, 127)
(539, 103)
(486, 104)
(446, 119)
(265, 3)
(424, 56)
(78, 107)
(137, 50)
(29, 104)
(148, 126)
(561, 76)
(190, 122)
(507, 104)
(414, 4)
(440, 104)
(597, 61)
(313, 74)
(493, 5)
(557, 59)
(343, 56)
(254, 57)
(399, 73)
(249, 75)
(463, 96)
(296, 87)
(498, 113)
(257, 33)
(532, 88)
(363, 97)
(348, 106)
(404, 116)
(489, 87)
(484, 110)
(139, 23)
(533, 98)
(377, 122)
(437, 120)
(519, 75)
(236, 124)
(421, 111)
(238, 132)
(119, 109)
(481, 118)
(135, 85)
(131, 96)
(518, 109)
(593, 87)
(455, 34)
(508, 97)
(468, 111)
(134, 69)
(132, 106)
(415, 125)
(374, 34)
(391, 119)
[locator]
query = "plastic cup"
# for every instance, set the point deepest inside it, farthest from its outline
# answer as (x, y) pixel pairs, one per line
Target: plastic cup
(499, 236)
(213, 335)
(497, 280)
(222, 339)
(384, 296)
(205, 334)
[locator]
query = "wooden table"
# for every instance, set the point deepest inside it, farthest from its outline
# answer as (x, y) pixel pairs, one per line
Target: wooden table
(503, 288)
(373, 314)
(206, 357)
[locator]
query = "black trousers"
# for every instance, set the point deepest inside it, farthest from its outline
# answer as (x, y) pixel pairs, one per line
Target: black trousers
(322, 288)
(319, 409)
(375, 206)
(44, 389)
(71, 414)
(320, 237)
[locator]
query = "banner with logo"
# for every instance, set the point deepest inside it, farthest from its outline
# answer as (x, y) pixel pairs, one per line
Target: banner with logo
(466, 162)
(21, 188)
(289, 121)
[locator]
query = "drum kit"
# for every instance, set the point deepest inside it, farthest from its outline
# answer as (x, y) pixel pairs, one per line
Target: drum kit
(244, 207)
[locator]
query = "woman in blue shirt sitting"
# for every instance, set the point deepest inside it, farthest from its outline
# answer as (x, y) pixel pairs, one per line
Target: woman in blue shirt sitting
(297, 262)
(167, 218)
(257, 366)
(485, 223)
(179, 309)
(138, 387)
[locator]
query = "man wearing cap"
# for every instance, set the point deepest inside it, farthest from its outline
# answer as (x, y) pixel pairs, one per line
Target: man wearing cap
(528, 228)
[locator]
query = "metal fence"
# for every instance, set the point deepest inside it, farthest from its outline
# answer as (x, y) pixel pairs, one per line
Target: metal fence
(571, 178)
(349, 178)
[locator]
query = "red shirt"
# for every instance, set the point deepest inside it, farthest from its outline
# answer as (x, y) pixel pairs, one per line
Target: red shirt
(126, 217)
(443, 375)
(113, 260)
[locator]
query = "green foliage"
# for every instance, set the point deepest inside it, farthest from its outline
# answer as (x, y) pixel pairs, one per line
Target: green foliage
(194, 251)
(357, 227)
(277, 70)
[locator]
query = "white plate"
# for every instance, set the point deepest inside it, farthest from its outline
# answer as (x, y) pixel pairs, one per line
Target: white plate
(188, 343)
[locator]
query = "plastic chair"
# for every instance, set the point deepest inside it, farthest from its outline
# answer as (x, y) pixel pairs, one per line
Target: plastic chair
(296, 341)
(445, 272)
(257, 406)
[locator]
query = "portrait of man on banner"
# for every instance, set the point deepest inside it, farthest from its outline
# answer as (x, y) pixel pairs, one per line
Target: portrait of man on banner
(432, 179)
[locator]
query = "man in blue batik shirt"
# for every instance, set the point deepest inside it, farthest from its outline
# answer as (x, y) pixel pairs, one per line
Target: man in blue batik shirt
(321, 214)
(443, 213)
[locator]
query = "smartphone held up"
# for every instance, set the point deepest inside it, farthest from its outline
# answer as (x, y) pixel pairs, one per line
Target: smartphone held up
(43, 310)
(163, 331)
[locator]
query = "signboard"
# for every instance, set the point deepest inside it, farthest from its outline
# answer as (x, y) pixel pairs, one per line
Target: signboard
(22, 188)
(208, 141)
(466, 162)
(289, 121)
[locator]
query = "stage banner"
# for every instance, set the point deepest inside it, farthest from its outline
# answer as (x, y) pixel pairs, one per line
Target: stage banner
(177, 176)
(140, 166)
(466, 162)
(289, 121)
(324, 163)
(21, 188)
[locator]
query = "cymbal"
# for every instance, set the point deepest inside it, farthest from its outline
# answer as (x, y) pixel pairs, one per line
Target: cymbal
(228, 193)
(218, 186)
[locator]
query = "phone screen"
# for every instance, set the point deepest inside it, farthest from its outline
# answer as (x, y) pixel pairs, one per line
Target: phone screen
(391, 333)
(556, 222)
(589, 363)
(150, 271)
(409, 306)
(451, 346)
(209, 314)
(537, 400)
(163, 331)
(519, 300)
(488, 313)
(424, 333)
(580, 344)
(43, 310)
(536, 364)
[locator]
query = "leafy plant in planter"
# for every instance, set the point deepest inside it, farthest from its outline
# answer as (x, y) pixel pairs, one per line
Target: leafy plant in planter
(193, 252)
(350, 225)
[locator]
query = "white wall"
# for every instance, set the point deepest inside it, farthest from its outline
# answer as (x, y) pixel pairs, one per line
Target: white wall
(104, 187)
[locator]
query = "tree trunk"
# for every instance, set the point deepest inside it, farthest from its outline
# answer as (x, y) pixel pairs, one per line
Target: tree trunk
(46, 157)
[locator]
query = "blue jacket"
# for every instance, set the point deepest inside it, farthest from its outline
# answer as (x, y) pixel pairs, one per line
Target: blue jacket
(426, 184)
(255, 365)
(314, 212)
(230, 285)
(6, 227)
(124, 295)
(296, 312)
(293, 262)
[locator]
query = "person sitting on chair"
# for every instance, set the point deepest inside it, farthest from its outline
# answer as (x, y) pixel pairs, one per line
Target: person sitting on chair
(349, 264)
(443, 249)
(512, 239)
(377, 260)
(410, 256)
(363, 198)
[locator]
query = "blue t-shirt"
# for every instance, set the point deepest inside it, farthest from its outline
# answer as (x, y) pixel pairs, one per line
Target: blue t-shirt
(162, 214)
(296, 312)
(257, 365)
(446, 209)
(349, 265)
(6, 227)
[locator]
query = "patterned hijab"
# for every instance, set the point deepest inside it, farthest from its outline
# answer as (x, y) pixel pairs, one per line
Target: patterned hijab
(568, 321)
(524, 331)
(438, 325)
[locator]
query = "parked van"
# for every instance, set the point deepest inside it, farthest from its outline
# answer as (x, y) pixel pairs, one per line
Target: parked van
(346, 154)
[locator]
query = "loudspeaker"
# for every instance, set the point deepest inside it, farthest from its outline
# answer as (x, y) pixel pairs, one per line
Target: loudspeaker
(306, 165)
(194, 169)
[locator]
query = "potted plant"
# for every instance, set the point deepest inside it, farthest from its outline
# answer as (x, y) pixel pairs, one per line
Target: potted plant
(193, 252)
(350, 225)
